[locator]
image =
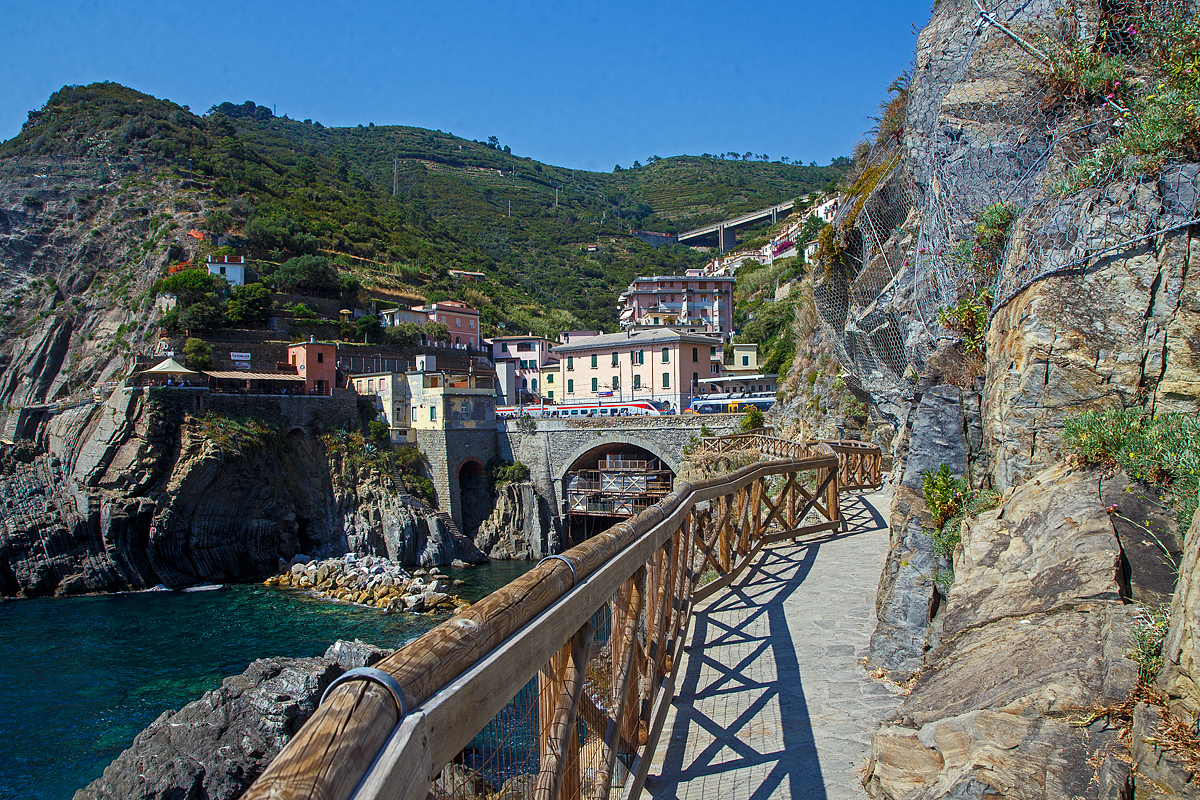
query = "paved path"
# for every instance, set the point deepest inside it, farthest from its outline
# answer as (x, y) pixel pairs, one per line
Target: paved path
(771, 699)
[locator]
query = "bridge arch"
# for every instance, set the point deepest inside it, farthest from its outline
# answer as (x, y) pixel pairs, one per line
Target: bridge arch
(607, 442)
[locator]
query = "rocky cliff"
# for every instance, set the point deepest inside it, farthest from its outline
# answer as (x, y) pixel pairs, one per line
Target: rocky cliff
(135, 492)
(979, 292)
(519, 527)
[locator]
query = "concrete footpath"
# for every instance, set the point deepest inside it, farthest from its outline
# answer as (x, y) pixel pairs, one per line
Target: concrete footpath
(771, 699)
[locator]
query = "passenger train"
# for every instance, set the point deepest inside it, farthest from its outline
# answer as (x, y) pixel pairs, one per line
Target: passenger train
(730, 403)
(633, 408)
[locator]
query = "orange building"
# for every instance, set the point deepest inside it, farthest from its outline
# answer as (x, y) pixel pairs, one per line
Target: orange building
(316, 362)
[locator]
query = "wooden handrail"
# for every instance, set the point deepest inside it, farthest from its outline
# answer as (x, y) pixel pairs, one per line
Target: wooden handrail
(458, 676)
(859, 463)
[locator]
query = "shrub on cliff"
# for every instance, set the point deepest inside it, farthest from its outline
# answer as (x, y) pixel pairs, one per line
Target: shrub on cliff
(198, 354)
(1162, 450)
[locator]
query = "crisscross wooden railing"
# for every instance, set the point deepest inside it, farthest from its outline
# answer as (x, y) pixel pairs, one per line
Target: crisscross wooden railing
(860, 464)
(595, 634)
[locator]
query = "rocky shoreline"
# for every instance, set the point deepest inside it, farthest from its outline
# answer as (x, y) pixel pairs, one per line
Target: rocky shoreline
(374, 582)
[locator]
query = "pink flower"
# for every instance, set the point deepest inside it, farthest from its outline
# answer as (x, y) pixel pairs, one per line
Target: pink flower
(1111, 509)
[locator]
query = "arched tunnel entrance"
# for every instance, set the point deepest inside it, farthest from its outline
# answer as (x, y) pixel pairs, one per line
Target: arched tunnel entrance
(610, 483)
(474, 502)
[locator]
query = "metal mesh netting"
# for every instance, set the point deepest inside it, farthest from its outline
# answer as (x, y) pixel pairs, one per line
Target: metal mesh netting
(503, 760)
(998, 133)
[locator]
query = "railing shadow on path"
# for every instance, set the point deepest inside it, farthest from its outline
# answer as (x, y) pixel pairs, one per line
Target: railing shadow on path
(749, 623)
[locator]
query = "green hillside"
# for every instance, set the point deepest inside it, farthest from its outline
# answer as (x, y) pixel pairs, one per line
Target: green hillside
(400, 206)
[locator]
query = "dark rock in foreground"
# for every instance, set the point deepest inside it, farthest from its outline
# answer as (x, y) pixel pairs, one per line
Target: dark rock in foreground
(215, 747)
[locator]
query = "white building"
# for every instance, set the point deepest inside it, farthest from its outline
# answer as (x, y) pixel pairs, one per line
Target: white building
(233, 269)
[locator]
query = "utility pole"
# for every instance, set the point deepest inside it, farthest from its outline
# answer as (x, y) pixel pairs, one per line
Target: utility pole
(510, 208)
(395, 174)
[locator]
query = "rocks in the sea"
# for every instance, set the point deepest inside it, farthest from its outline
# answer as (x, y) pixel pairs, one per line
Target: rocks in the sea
(372, 581)
(518, 527)
(215, 747)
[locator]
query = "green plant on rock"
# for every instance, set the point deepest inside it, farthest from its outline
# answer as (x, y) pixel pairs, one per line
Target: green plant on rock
(233, 434)
(198, 354)
(753, 419)
(378, 430)
(945, 495)
(1146, 640)
(1163, 450)
(969, 319)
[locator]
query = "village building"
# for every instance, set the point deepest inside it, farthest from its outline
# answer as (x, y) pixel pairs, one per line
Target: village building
(461, 320)
(693, 302)
(233, 269)
(661, 365)
(316, 363)
(531, 353)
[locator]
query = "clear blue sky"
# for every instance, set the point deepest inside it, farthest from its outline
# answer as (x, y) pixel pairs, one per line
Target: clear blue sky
(580, 85)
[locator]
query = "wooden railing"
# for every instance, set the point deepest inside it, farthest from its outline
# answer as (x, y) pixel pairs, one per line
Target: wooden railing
(493, 698)
(860, 464)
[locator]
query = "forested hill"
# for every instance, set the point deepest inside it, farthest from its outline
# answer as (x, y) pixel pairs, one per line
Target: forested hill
(402, 205)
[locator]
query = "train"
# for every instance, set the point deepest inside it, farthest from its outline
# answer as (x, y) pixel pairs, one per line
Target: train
(730, 403)
(632, 408)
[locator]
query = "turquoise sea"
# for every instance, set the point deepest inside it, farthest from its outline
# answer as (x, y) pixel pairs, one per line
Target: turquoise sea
(82, 676)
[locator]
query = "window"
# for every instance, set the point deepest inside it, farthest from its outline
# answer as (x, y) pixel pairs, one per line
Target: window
(504, 347)
(525, 346)
(320, 358)
(472, 324)
(595, 384)
(616, 383)
(550, 378)
(656, 320)
(594, 357)
(614, 358)
(712, 351)
(457, 340)
(637, 381)
(524, 383)
(695, 378)
(533, 385)
(716, 369)
(458, 322)
(666, 356)
(666, 380)
(745, 361)
(371, 385)
(636, 356)
(570, 386)
(550, 395)
(433, 413)
(570, 362)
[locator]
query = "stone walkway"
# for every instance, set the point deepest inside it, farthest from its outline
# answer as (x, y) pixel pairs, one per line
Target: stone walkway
(771, 699)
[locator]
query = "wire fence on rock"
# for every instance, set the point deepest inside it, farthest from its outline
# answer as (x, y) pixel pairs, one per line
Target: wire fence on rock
(992, 131)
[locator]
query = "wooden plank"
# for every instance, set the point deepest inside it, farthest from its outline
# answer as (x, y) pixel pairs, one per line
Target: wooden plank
(621, 690)
(404, 771)
(658, 717)
(561, 748)
(807, 530)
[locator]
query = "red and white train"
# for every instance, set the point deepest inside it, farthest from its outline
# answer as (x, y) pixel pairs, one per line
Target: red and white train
(633, 408)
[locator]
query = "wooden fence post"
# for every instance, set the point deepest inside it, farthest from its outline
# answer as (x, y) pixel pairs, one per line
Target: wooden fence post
(560, 687)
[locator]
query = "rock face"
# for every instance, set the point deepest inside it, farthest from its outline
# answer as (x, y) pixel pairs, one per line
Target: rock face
(518, 527)
(215, 747)
(131, 493)
(1121, 330)
(1034, 631)
(1180, 677)
(909, 599)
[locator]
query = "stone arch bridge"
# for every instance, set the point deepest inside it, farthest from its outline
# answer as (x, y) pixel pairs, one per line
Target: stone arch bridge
(557, 445)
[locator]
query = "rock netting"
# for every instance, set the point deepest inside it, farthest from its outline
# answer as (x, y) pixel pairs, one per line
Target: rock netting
(374, 582)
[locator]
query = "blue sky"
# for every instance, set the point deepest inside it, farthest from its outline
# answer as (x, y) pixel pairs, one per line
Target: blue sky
(580, 85)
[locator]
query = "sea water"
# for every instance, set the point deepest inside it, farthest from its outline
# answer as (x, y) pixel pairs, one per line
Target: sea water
(82, 676)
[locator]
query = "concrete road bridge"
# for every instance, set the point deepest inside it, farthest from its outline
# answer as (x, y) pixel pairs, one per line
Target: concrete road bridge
(724, 234)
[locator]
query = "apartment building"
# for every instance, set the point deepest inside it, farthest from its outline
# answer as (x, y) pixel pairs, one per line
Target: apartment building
(694, 302)
(662, 365)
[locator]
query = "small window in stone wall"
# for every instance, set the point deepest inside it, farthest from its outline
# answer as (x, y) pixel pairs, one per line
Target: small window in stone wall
(320, 358)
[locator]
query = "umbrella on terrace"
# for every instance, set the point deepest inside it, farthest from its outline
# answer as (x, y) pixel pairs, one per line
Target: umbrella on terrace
(167, 368)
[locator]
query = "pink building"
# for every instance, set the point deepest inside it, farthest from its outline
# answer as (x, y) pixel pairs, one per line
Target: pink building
(664, 365)
(694, 302)
(316, 362)
(532, 353)
(460, 318)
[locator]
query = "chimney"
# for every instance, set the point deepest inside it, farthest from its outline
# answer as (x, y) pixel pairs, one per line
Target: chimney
(312, 339)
